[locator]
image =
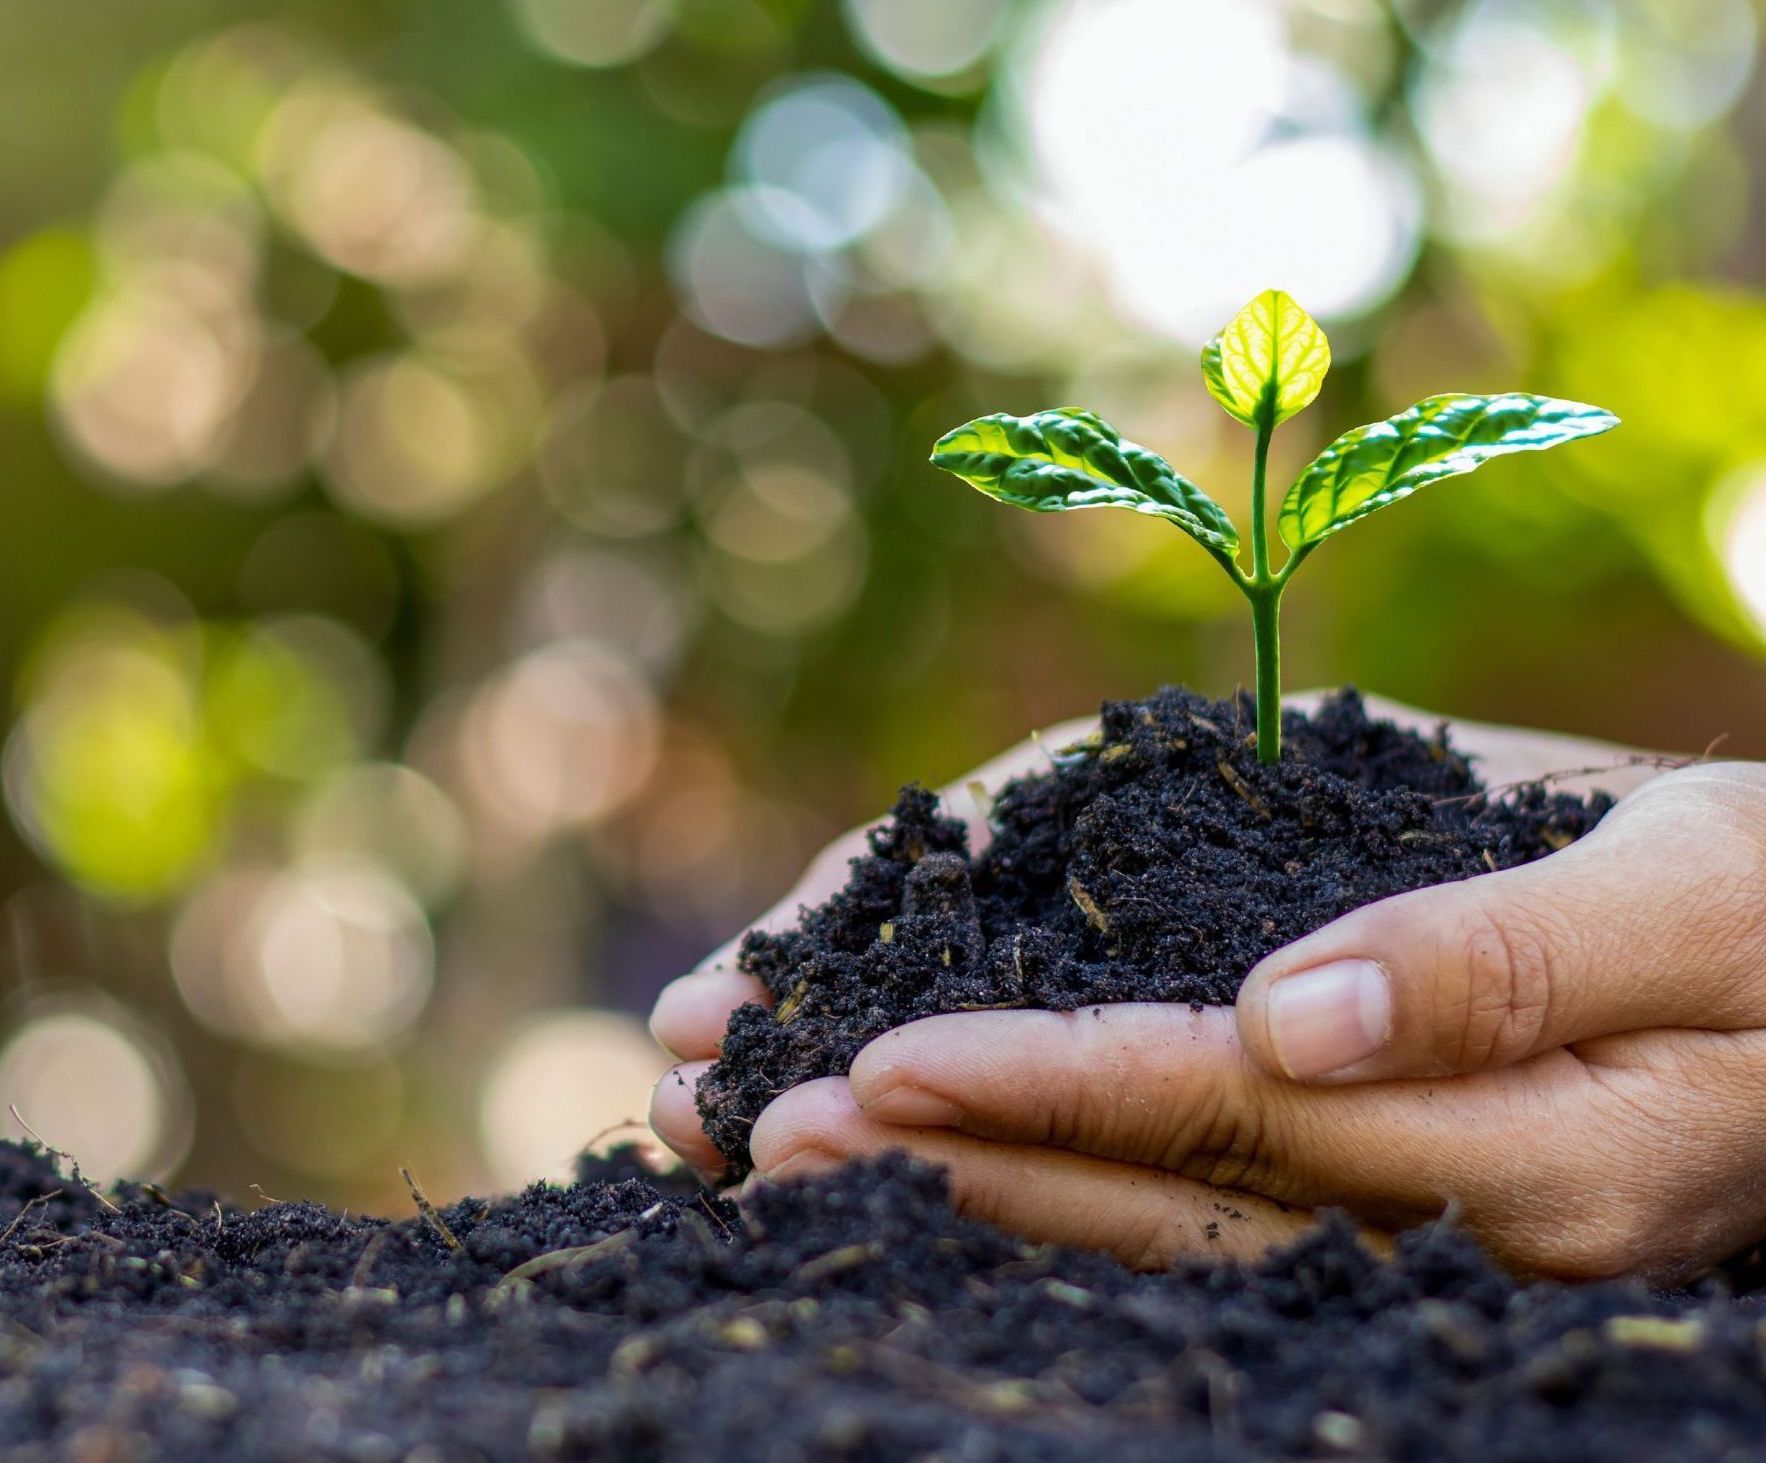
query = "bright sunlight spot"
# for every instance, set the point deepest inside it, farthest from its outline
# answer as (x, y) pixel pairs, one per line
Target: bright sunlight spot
(1211, 167)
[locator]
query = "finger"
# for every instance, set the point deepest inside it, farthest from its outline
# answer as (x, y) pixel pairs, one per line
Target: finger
(1656, 918)
(675, 1118)
(1167, 1087)
(1634, 1153)
(1544, 1161)
(1146, 1218)
(691, 1013)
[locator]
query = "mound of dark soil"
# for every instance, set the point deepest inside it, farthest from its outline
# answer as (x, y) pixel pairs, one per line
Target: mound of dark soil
(1159, 863)
(852, 1316)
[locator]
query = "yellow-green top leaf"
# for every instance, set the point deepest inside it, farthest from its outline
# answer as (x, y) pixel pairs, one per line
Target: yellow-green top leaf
(1365, 469)
(1269, 362)
(1057, 460)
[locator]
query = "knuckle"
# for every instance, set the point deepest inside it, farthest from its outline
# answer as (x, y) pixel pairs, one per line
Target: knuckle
(1079, 1102)
(1229, 1146)
(1497, 997)
(1068, 1118)
(1115, 1089)
(1231, 1142)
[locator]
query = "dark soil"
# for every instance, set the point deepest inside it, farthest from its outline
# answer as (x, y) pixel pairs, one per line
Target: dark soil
(852, 1316)
(856, 1315)
(1159, 864)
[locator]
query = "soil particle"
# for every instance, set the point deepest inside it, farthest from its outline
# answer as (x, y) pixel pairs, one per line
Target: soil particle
(852, 1315)
(1160, 862)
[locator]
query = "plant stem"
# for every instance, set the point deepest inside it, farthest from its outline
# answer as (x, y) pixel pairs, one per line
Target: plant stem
(1259, 530)
(1265, 593)
(1266, 601)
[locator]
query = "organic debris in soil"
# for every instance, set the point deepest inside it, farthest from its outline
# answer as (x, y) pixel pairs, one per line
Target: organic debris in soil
(852, 1315)
(1159, 862)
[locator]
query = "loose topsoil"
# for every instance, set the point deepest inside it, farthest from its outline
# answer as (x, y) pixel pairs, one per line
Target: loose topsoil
(851, 1316)
(1159, 862)
(633, 1315)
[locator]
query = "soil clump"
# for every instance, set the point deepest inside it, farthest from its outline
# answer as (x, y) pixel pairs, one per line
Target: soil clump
(1159, 862)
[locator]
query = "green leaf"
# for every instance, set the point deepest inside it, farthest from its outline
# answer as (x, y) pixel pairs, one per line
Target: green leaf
(1438, 437)
(1269, 362)
(1061, 459)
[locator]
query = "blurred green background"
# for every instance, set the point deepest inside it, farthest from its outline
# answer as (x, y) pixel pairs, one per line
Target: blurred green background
(469, 536)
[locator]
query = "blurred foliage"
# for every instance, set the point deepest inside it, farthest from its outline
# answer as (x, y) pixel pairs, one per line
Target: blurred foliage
(471, 534)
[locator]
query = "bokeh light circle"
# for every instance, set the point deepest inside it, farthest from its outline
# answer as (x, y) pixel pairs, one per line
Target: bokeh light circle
(826, 159)
(392, 816)
(564, 736)
(369, 191)
(559, 1080)
(1502, 112)
(414, 444)
(145, 384)
(1738, 523)
(343, 954)
(735, 278)
(1185, 188)
(99, 1086)
(110, 772)
(597, 33)
(329, 956)
(926, 39)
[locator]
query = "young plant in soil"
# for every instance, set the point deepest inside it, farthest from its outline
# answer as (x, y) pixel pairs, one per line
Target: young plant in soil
(1266, 366)
(1163, 857)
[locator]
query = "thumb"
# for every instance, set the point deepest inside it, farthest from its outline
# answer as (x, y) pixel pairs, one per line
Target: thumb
(1656, 918)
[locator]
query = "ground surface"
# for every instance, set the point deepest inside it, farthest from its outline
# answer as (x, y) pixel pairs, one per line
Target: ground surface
(1159, 864)
(852, 1316)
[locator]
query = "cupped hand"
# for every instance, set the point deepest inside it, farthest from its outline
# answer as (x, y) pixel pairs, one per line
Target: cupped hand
(691, 1012)
(1572, 1054)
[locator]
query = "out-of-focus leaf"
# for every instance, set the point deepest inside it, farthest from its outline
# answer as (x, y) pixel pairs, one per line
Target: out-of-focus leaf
(1440, 436)
(1269, 362)
(1064, 458)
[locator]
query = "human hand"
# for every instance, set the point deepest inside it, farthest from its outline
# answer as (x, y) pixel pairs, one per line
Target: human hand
(1592, 1020)
(691, 1012)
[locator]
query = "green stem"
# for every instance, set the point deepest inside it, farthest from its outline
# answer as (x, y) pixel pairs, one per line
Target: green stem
(1266, 602)
(1265, 593)
(1259, 530)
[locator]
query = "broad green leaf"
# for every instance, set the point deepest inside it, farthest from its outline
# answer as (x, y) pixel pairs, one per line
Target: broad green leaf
(1438, 437)
(1064, 458)
(1269, 362)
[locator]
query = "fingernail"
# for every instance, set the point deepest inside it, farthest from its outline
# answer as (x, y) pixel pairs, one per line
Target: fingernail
(1330, 1017)
(913, 1107)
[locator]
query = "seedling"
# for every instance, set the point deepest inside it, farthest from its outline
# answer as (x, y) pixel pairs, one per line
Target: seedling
(1267, 365)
